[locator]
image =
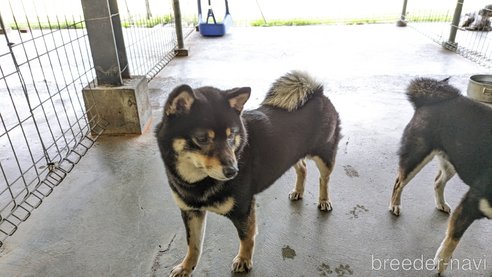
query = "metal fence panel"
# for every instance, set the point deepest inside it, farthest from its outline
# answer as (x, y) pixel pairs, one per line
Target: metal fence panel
(45, 62)
(435, 21)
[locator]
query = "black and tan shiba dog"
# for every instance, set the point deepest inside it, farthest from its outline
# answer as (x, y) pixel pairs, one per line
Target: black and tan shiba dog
(217, 157)
(458, 131)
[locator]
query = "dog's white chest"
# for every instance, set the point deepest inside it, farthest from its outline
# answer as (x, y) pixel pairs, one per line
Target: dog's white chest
(221, 208)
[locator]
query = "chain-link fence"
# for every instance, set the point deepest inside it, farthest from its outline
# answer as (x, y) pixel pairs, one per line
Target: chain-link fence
(45, 62)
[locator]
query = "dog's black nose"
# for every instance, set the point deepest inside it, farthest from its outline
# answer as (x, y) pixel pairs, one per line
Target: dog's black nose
(230, 171)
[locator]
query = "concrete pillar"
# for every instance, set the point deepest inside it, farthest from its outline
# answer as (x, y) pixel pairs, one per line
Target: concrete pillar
(451, 43)
(116, 97)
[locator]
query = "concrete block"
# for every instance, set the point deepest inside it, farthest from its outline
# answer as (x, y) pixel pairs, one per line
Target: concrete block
(125, 108)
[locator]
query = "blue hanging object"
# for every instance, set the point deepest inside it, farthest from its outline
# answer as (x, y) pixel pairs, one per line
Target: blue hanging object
(210, 27)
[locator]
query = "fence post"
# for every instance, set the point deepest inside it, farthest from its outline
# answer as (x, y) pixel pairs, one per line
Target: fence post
(451, 44)
(180, 51)
(403, 22)
(115, 96)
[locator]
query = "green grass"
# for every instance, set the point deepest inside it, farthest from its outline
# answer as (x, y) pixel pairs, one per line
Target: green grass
(148, 23)
(348, 21)
(145, 23)
(433, 18)
(48, 25)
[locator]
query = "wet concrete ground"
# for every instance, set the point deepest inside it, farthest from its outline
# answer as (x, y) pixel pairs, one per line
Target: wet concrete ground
(114, 215)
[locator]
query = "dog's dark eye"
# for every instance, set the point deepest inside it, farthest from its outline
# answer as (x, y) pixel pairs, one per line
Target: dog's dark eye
(230, 137)
(202, 139)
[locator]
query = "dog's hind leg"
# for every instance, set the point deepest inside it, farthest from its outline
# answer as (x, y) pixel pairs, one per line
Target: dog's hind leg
(195, 224)
(246, 229)
(298, 191)
(463, 216)
(413, 157)
(446, 172)
(325, 167)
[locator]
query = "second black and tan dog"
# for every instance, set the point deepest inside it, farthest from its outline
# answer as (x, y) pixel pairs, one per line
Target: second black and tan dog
(217, 157)
(458, 131)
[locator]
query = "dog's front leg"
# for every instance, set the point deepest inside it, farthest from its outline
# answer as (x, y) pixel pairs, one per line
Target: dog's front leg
(194, 221)
(246, 229)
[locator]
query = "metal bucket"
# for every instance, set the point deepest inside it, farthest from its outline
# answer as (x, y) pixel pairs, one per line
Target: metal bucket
(480, 88)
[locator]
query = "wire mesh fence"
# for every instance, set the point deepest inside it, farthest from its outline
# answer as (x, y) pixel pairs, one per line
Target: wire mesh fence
(434, 19)
(150, 35)
(431, 18)
(45, 63)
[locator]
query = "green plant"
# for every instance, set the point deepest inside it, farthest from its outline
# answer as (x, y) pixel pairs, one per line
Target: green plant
(147, 23)
(47, 25)
(347, 21)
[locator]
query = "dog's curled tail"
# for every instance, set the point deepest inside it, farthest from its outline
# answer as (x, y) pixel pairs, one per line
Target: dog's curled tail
(427, 91)
(292, 91)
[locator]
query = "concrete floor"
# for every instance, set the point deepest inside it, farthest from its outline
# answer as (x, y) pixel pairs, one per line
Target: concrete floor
(114, 215)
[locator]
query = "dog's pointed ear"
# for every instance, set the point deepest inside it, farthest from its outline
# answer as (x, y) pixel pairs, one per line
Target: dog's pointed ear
(237, 97)
(179, 101)
(445, 80)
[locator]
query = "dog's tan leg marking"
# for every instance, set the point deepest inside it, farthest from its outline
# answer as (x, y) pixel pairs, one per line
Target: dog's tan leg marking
(460, 220)
(324, 203)
(485, 208)
(243, 262)
(195, 222)
(446, 172)
(444, 253)
(402, 180)
(298, 190)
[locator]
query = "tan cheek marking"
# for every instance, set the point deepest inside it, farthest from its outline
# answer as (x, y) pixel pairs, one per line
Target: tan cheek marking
(228, 132)
(179, 144)
(485, 208)
(201, 159)
(188, 166)
(211, 134)
(210, 162)
(224, 207)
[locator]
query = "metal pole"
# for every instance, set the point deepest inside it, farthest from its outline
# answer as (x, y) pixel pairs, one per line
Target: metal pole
(451, 44)
(402, 22)
(180, 51)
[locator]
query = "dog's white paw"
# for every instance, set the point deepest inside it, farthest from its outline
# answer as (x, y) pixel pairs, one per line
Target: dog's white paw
(180, 271)
(395, 209)
(444, 207)
(441, 261)
(294, 195)
(325, 206)
(240, 264)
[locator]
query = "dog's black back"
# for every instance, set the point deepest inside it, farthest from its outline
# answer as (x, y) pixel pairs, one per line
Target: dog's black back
(279, 138)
